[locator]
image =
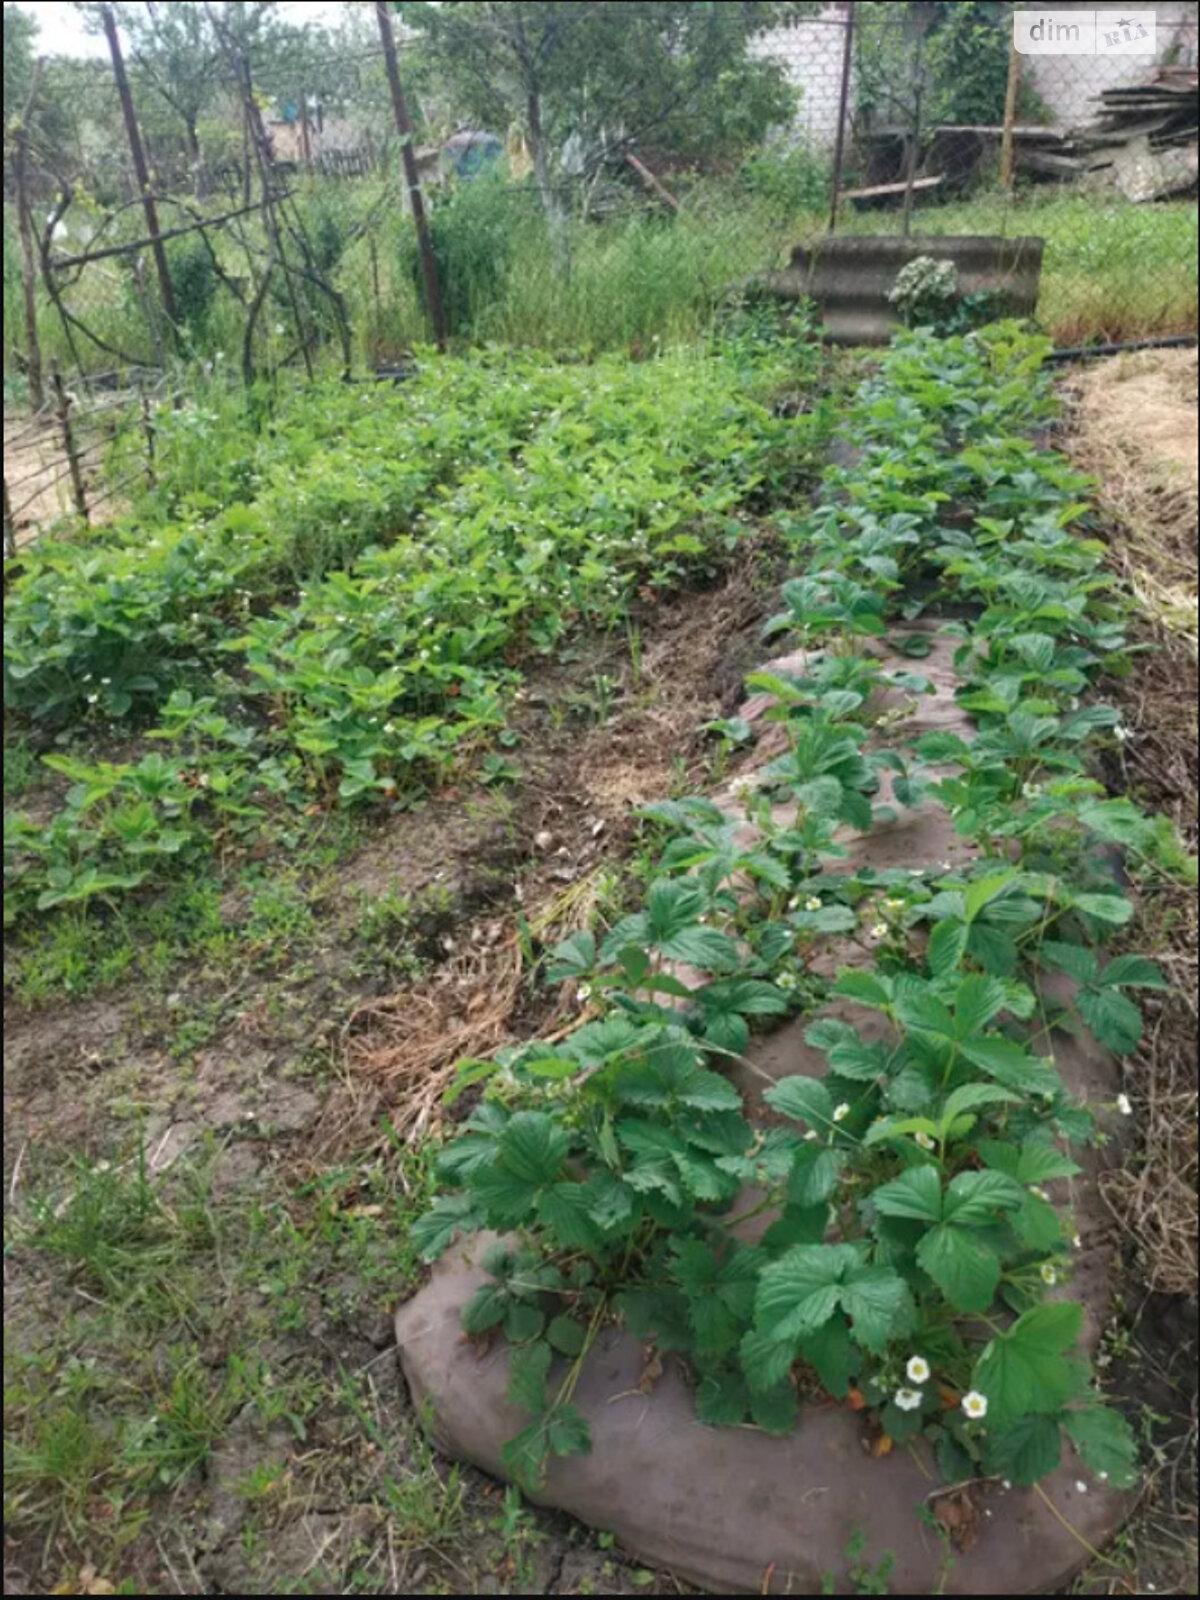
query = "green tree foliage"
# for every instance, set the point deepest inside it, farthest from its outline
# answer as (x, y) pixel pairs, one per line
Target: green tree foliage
(678, 74)
(935, 62)
(19, 32)
(177, 57)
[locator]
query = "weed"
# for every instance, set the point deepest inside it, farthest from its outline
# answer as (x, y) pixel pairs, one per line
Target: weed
(19, 768)
(865, 1578)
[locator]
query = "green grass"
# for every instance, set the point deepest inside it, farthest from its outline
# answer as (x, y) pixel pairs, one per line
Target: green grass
(1111, 271)
(171, 1301)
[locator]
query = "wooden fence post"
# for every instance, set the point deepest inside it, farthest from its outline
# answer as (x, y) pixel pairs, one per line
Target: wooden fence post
(37, 394)
(839, 148)
(10, 527)
(141, 171)
(1007, 165)
(433, 296)
(62, 403)
(148, 435)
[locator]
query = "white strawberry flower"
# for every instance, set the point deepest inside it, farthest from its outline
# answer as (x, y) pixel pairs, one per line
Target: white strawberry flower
(1048, 1274)
(917, 1370)
(813, 903)
(906, 1399)
(840, 1113)
(975, 1405)
(879, 930)
(925, 1140)
(1124, 1105)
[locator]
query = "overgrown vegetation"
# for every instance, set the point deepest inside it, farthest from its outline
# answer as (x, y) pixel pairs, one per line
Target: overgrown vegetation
(614, 1159)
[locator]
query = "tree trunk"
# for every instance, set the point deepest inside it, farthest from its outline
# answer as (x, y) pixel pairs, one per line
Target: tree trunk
(138, 154)
(556, 216)
(195, 157)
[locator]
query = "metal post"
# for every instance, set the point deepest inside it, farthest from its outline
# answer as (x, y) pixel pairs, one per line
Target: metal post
(433, 295)
(62, 403)
(835, 182)
(1007, 164)
(914, 145)
(141, 171)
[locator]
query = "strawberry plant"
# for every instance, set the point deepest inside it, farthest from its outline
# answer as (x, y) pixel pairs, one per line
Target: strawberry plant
(888, 1234)
(356, 587)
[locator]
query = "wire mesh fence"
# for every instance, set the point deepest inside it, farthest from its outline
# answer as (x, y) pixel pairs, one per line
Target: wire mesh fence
(909, 118)
(936, 124)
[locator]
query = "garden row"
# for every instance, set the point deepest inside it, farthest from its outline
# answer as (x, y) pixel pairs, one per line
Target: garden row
(337, 608)
(912, 1244)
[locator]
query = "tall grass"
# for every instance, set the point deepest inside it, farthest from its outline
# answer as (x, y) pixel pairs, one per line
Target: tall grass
(629, 279)
(1111, 270)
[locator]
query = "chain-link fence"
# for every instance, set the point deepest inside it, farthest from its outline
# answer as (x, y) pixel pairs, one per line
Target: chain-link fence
(932, 123)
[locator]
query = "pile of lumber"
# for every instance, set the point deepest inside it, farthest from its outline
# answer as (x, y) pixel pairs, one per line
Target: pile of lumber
(1142, 142)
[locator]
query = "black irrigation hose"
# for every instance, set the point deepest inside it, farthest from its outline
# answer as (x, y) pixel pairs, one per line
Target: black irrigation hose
(1082, 352)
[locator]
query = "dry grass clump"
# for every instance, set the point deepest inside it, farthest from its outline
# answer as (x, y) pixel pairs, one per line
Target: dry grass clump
(409, 1044)
(1133, 424)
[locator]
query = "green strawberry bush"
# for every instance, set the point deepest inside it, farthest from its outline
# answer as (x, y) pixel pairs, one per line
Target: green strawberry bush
(910, 1244)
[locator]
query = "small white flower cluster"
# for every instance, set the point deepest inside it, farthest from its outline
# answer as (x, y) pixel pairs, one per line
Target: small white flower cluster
(745, 787)
(917, 1371)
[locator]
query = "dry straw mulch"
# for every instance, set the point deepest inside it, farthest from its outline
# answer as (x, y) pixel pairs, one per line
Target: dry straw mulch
(1133, 424)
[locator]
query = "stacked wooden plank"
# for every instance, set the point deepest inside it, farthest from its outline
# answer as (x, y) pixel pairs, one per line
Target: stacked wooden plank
(1143, 140)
